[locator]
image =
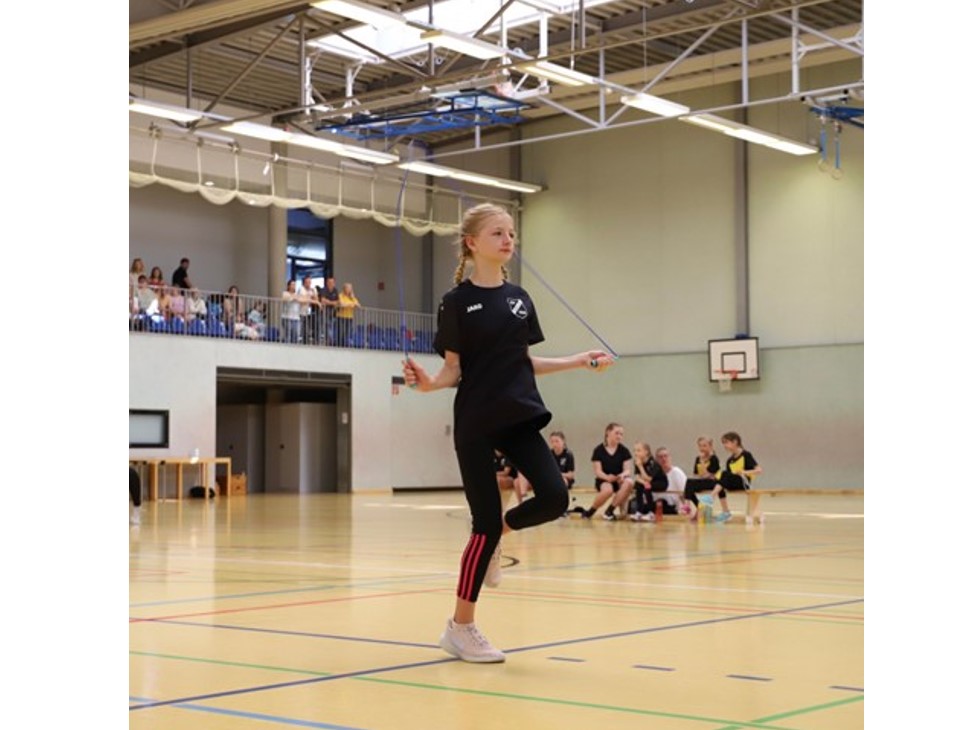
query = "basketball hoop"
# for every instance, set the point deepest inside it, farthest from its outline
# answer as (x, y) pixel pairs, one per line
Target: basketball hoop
(725, 378)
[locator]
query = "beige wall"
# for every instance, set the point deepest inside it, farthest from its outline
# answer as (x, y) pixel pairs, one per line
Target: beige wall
(637, 231)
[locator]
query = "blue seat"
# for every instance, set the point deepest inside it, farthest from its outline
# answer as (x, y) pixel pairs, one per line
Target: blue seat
(197, 327)
(177, 326)
(158, 324)
(272, 334)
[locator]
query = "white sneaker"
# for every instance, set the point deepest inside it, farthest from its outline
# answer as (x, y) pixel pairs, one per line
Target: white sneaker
(636, 517)
(467, 643)
(493, 574)
(650, 517)
(135, 518)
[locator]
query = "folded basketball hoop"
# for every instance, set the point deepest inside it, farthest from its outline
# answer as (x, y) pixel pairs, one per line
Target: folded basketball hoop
(725, 378)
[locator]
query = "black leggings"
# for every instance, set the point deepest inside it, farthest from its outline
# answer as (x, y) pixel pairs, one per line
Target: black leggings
(134, 486)
(528, 451)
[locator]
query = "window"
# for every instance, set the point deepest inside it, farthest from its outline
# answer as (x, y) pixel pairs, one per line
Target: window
(309, 247)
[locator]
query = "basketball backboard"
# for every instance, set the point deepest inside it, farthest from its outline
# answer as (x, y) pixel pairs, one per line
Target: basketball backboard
(737, 357)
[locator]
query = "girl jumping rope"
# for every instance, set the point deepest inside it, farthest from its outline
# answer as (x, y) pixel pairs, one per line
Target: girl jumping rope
(485, 328)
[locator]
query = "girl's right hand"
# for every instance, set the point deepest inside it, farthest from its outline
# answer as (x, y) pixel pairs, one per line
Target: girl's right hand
(416, 376)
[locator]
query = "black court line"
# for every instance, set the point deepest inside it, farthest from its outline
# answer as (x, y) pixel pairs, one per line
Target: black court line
(656, 669)
(749, 677)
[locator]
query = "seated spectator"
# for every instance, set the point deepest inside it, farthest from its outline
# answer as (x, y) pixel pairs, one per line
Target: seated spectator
(180, 277)
(668, 487)
(243, 329)
(230, 304)
(176, 306)
(257, 318)
(645, 471)
(564, 458)
(145, 297)
(612, 469)
(195, 306)
(156, 280)
(706, 466)
(165, 301)
(290, 314)
(505, 475)
(137, 269)
(739, 470)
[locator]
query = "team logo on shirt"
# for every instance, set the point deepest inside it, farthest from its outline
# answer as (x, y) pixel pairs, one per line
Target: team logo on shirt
(518, 307)
(473, 308)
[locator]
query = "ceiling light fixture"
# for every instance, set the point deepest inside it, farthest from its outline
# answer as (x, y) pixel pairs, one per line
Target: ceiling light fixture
(750, 134)
(429, 168)
(655, 105)
(463, 44)
(276, 134)
(557, 73)
(361, 12)
(176, 114)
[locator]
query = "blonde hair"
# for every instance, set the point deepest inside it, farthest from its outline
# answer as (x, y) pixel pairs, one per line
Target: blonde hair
(471, 225)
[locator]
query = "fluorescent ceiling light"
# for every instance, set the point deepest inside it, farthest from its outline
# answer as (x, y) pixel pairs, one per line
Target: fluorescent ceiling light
(751, 134)
(708, 121)
(361, 12)
(428, 168)
(259, 131)
(463, 44)
(555, 72)
(275, 134)
(176, 114)
(655, 105)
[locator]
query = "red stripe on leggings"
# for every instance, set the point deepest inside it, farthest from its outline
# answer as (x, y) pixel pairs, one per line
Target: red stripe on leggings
(469, 566)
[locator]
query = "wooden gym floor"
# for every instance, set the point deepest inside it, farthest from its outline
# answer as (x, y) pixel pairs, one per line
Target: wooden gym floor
(323, 611)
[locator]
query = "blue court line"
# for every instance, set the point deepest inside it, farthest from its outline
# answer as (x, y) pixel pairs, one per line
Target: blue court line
(565, 659)
(257, 716)
(657, 669)
(283, 632)
(847, 689)
(749, 677)
(433, 662)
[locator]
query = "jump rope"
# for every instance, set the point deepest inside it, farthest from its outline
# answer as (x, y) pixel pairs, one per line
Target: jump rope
(399, 246)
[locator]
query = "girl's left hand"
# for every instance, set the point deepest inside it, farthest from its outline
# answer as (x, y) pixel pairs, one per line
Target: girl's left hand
(597, 360)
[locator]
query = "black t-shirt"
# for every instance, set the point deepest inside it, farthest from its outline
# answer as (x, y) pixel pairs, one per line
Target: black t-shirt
(565, 460)
(744, 461)
(611, 464)
(180, 278)
(711, 466)
(332, 295)
(658, 480)
(491, 329)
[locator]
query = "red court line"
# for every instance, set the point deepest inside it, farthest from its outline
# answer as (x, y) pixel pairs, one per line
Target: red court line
(659, 604)
(282, 605)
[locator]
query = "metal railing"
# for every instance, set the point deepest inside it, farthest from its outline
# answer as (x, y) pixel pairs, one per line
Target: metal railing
(270, 319)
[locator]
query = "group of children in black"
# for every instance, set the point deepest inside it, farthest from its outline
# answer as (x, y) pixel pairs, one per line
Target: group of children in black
(652, 482)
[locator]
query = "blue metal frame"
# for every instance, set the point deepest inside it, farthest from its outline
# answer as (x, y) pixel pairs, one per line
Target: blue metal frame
(463, 110)
(849, 114)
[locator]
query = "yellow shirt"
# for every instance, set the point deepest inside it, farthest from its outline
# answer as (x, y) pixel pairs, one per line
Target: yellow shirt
(346, 305)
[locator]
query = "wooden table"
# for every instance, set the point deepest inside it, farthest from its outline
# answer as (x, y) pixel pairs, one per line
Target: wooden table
(202, 463)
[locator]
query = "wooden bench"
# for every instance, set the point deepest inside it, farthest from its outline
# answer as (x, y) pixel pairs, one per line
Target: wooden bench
(753, 510)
